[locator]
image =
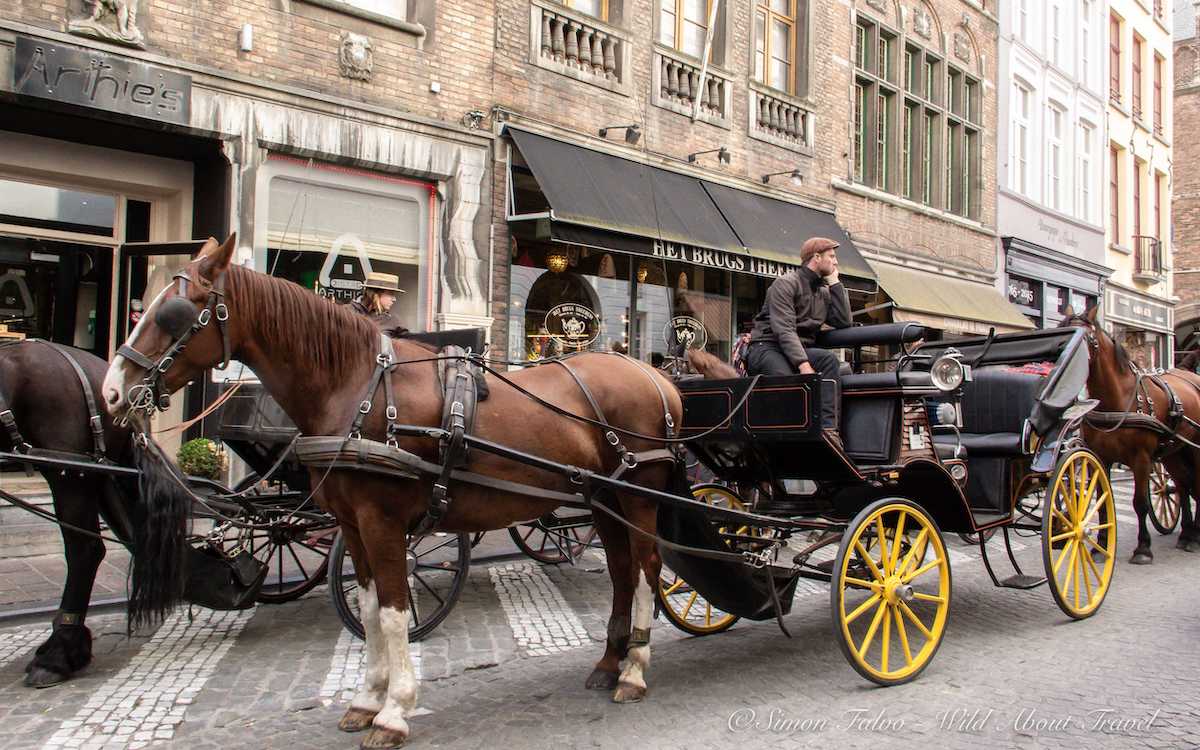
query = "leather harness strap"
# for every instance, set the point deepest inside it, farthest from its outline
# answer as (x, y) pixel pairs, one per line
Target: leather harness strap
(96, 424)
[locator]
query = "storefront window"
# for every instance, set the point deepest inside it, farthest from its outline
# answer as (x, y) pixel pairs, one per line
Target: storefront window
(566, 299)
(679, 303)
(328, 228)
(46, 207)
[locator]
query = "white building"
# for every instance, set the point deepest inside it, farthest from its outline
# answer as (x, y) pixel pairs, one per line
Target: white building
(1050, 201)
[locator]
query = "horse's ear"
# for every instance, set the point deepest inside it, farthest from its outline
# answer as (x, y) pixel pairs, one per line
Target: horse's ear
(1069, 312)
(207, 248)
(1091, 313)
(214, 262)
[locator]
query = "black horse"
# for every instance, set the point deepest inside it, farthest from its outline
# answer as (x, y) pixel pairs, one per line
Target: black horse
(50, 413)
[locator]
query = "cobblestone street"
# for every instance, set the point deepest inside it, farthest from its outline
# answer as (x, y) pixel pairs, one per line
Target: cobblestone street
(506, 669)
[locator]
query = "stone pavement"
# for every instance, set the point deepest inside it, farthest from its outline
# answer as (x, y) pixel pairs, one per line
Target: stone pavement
(1013, 671)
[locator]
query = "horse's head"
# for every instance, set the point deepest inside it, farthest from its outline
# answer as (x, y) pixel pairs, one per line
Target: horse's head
(181, 333)
(1107, 359)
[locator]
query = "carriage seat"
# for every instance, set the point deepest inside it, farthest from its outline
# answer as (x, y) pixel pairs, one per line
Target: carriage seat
(995, 406)
(866, 381)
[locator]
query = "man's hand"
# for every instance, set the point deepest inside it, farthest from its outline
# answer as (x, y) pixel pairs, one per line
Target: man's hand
(806, 369)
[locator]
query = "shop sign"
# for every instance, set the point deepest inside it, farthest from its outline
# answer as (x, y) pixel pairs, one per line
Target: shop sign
(92, 78)
(702, 256)
(685, 330)
(339, 280)
(1145, 312)
(1023, 291)
(572, 325)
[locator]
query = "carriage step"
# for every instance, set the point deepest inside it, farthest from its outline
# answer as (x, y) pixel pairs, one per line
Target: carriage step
(1022, 582)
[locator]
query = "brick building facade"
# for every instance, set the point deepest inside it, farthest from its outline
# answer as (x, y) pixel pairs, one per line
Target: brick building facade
(1185, 198)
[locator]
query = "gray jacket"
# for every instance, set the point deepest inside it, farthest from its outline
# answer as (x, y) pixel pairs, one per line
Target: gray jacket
(798, 304)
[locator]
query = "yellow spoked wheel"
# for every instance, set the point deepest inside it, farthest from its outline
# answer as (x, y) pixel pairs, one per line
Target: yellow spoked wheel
(1079, 534)
(1164, 500)
(684, 607)
(891, 591)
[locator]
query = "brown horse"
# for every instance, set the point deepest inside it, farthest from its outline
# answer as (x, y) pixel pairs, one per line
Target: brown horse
(51, 413)
(1115, 382)
(317, 359)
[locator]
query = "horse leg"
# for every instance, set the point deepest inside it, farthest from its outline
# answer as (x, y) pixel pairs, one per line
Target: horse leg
(385, 541)
(1189, 524)
(371, 696)
(1141, 504)
(69, 648)
(647, 565)
(616, 549)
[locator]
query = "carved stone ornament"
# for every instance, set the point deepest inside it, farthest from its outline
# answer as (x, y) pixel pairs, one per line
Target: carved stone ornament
(879, 5)
(962, 47)
(111, 21)
(355, 58)
(922, 22)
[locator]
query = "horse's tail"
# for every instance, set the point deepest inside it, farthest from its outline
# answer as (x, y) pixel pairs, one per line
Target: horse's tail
(159, 537)
(710, 366)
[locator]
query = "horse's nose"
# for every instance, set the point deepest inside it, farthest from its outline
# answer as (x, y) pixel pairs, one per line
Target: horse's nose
(113, 396)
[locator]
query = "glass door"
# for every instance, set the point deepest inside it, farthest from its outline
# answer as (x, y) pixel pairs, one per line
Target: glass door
(146, 269)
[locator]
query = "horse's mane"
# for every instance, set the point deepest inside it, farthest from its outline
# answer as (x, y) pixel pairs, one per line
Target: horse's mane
(327, 337)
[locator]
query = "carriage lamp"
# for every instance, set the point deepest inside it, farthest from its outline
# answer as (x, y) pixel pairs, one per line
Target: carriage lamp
(958, 471)
(556, 261)
(948, 371)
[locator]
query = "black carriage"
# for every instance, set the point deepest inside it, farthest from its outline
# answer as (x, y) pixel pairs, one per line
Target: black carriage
(969, 436)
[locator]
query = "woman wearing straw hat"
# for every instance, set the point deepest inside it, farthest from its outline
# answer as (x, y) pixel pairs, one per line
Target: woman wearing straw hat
(379, 294)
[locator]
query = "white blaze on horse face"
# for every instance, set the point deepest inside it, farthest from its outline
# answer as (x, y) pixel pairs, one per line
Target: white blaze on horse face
(373, 694)
(638, 657)
(114, 387)
(402, 680)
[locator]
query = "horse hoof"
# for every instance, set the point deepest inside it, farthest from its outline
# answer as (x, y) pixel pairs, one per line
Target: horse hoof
(1183, 544)
(601, 680)
(39, 677)
(1192, 545)
(356, 720)
(382, 737)
(1141, 558)
(629, 693)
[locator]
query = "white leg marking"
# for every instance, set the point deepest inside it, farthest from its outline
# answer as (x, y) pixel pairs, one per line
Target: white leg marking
(373, 694)
(638, 657)
(402, 682)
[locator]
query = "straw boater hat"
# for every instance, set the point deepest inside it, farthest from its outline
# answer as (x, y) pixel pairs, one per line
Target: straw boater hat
(384, 282)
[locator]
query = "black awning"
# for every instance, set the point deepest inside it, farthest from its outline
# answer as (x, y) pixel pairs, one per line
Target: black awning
(607, 201)
(607, 192)
(776, 229)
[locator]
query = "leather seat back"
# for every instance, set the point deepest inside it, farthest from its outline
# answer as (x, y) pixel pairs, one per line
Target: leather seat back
(999, 399)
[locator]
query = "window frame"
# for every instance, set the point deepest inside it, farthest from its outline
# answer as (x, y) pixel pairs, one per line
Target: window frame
(1135, 75)
(1114, 186)
(763, 8)
(1056, 117)
(1159, 62)
(679, 24)
(603, 9)
(1084, 163)
(1137, 198)
(1022, 125)
(1114, 58)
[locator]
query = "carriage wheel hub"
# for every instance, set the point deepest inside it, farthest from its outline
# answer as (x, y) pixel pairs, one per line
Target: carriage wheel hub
(895, 591)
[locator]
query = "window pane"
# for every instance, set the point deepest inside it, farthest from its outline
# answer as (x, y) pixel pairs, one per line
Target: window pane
(783, 7)
(780, 74)
(591, 7)
(54, 208)
(780, 47)
(860, 47)
(760, 44)
(885, 58)
(666, 26)
(693, 39)
(696, 10)
(389, 8)
(860, 133)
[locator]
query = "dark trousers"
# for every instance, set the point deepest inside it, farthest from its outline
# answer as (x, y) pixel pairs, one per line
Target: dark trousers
(765, 358)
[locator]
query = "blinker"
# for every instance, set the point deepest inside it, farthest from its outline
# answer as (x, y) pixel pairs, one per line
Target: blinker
(175, 316)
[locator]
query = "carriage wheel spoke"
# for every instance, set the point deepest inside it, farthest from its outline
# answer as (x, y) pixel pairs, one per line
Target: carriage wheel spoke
(915, 620)
(918, 544)
(903, 634)
(1058, 513)
(861, 583)
(691, 601)
(884, 551)
(1083, 572)
(412, 606)
(1095, 509)
(708, 615)
(923, 569)
(1101, 526)
(929, 598)
(873, 599)
(870, 561)
(1097, 546)
(1066, 586)
(870, 636)
(1063, 535)
(1092, 564)
(1085, 500)
(300, 565)
(673, 587)
(887, 637)
(895, 556)
(420, 580)
(1063, 556)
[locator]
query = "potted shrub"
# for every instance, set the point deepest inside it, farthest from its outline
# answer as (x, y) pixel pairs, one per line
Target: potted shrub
(202, 458)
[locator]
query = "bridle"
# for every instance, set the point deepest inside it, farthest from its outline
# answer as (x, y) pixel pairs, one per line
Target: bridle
(179, 318)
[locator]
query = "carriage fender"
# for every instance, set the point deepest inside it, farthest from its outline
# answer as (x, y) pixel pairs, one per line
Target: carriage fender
(930, 486)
